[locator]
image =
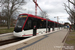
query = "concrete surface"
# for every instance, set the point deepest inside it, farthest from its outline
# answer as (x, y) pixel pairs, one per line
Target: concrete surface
(50, 41)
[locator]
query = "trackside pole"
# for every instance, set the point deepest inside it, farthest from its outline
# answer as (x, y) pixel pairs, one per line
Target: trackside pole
(34, 31)
(48, 28)
(46, 24)
(53, 28)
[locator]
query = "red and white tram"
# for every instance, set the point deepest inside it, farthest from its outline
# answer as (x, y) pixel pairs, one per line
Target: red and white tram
(26, 22)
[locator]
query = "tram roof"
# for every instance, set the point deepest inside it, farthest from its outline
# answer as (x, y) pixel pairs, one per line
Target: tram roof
(30, 15)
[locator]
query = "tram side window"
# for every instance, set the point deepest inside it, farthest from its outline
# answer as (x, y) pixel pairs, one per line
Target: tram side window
(39, 23)
(42, 23)
(48, 23)
(35, 21)
(28, 24)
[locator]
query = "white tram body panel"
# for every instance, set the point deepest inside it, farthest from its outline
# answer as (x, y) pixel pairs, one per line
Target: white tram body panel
(29, 33)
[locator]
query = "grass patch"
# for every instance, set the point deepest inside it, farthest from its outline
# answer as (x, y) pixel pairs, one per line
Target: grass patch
(5, 30)
(71, 38)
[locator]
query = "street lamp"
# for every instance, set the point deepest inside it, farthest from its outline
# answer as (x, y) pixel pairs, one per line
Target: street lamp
(57, 20)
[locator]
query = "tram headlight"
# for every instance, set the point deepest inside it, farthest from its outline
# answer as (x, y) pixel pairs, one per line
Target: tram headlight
(13, 31)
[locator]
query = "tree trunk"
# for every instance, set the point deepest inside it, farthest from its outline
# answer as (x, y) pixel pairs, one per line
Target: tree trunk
(74, 23)
(8, 22)
(74, 26)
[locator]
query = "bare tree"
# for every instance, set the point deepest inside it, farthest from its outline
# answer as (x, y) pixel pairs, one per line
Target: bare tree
(71, 19)
(43, 14)
(11, 6)
(71, 13)
(71, 2)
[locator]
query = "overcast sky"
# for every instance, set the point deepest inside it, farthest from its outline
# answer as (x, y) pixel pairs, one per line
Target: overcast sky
(53, 8)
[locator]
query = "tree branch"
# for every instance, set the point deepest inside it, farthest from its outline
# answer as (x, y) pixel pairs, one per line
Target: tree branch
(71, 2)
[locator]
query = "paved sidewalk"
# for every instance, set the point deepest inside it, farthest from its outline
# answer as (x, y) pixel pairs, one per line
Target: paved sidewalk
(46, 42)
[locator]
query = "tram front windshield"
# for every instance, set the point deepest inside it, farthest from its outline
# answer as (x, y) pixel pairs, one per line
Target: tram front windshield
(21, 20)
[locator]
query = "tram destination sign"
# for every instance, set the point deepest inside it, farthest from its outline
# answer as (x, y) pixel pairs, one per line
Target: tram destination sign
(22, 16)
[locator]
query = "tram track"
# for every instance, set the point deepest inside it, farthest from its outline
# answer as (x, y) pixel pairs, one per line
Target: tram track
(11, 41)
(6, 36)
